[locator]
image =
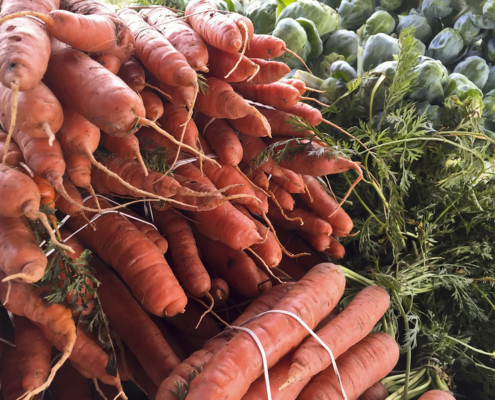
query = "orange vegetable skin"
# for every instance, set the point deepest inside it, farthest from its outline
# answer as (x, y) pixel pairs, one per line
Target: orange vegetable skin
(180, 34)
(311, 223)
(179, 95)
(152, 104)
(186, 322)
(122, 146)
(174, 116)
(252, 125)
(14, 155)
(376, 392)
(35, 353)
(140, 264)
(132, 73)
(336, 251)
(230, 372)
(305, 111)
(148, 230)
(297, 83)
(317, 242)
(215, 28)
(265, 47)
(219, 291)
(436, 395)
(284, 199)
(270, 71)
(363, 364)
(93, 91)
(296, 245)
(63, 205)
(133, 325)
(278, 95)
(222, 63)
(10, 374)
(70, 384)
(280, 123)
(291, 181)
(157, 54)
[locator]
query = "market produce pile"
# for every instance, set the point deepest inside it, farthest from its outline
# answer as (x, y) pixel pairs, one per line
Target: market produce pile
(165, 175)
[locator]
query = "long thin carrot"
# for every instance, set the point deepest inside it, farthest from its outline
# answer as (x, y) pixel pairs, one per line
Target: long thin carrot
(69, 208)
(270, 71)
(318, 242)
(152, 104)
(10, 374)
(281, 196)
(291, 181)
(219, 291)
(265, 47)
(14, 154)
(305, 111)
(437, 395)
(292, 242)
(180, 95)
(297, 83)
(336, 251)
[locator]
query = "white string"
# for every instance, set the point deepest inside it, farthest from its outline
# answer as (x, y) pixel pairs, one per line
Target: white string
(185, 161)
(208, 124)
(269, 176)
(254, 103)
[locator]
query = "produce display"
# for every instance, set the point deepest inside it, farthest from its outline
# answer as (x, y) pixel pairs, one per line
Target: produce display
(179, 178)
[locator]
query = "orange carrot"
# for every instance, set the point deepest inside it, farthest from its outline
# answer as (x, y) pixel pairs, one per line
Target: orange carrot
(282, 196)
(148, 230)
(297, 83)
(305, 111)
(157, 54)
(14, 154)
(122, 146)
(10, 374)
(252, 125)
(174, 116)
(180, 34)
(364, 363)
(70, 384)
(215, 28)
(132, 73)
(186, 261)
(289, 266)
(230, 371)
(107, 61)
(222, 63)
(244, 24)
(149, 139)
(281, 123)
(278, 95)
(291, 181)
(293, 242)
(376, 392)
(34, 351)
(437, 395)
(179, 95)
(65, 206)
(301, 220)
(317, 242)
(152, 104)
(141, 265)
(336, 251)
(257, 176)
(270, 71)
(219, 291)
(265, 47)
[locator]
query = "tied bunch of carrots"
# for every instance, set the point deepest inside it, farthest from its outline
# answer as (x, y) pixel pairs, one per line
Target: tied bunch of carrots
(184, 113)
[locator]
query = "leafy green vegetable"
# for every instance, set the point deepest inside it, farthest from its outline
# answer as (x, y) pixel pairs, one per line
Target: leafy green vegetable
(324, 17)
(292, 33)
(354, 13)
(446, 46)
(469, 31)
(431, 79)
(379, 22)
(342, 70)
(379, 48)
(432, 9)
(343, 42)
(262, 14)
(422, 29)
(475, 69)
(390, 5)
(460, 86)
(313, 37)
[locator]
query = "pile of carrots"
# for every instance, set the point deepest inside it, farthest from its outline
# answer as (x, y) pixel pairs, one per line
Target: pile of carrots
(101, 110)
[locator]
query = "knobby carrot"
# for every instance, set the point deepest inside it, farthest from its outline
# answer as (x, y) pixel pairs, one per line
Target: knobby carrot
(174, 116)
(336, 251)
(376, 392)
(70, 384)
(230, 371)
(278, 95)
(265, 47)
(132, 73)
(222, 63)
(437, 395)
(152, 104)
(219, 291)
(363, 364)
(282, 123)
(270, 71)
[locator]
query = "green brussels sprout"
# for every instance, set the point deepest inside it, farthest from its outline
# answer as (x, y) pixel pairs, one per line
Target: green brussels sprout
(324, 68)
(446, 46)
(379, 48)
(431, 79)
(490, 83)
(342, 70)
(475, 69)
(332, 3)
(325, 18)
(390, 5)
(420, 47)
(379, 22)
(388, 69)
(422, 29)
(334, 88)
(313, 37)
(489, 49)
(292, 33)
(489, 9)
(460, 86)
(432, 9)
(432, 114)
(482, 22)
(343, 42)
(354, 13)
(489, 106)
(263, 15)
(468, 30)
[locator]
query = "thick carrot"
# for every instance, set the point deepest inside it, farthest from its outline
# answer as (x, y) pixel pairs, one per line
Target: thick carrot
(317, 242)
(142, 266)
(174, 116)
(363, 364)
(376, 392)
(297, 83)
(185, 258)
(69, 208)
(215, 28)
(317, 199)
(122, 146)
(152, 104)
(132, 73)
(252, 125)
(282, 123)
(282, 196)
(219, 291)
(134, 326)
(70, 384)
(257, 176)
(39, 113)
(180, 34)
(436, 395)
(245, 26)
(278, 95)
(362, 313)
(222, 63)
(157, 54)
(265, 47)
(291, 181)
(35, 353)
(270, 71)
(230, 371)
(336, 251)
(235, 266)
(14, 154)
(148, 230)
(179, 95)
(221, 138)
(92, 91)
(305, 111)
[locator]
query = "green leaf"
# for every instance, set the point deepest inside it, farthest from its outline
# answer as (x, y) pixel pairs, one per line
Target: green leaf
(281, 4)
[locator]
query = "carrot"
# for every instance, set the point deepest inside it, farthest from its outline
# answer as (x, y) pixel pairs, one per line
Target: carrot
(179, 95)
(265, 47)
(180, 34)
(221, 138)
(317, 242)
(134, 326)
(292, 242)
(132, 73)
(92, 91)
(305, 111)
(174, 116)
(291, 181)
(282, 124)
(136, 259)
(69, 208)
(10, 374)
(245, 26)
(302, 220)
(252, 125)
(70, 384)
(270, 71)
(288, 268)
(14, 154)
(139, 377)
(281, 196)
(157, 54)
(376, 392)
(215, 28)
(152, 104)
(55, 320)
(364, 363)
(239, 363)
(219, 291)
(39, 113)
(222, 63)
(257, 176)
(185, 258)
(123, 146)
(35, 353)
(235, 266)
(297, 83)
(107, 61)
(278, 95)
(336, 251)
(317, 199)
(362, 313)
(436, 395)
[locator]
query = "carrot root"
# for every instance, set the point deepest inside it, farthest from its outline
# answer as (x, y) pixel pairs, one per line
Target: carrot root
(300, 59)
(51, 136)
(14, 86)
(244, 25)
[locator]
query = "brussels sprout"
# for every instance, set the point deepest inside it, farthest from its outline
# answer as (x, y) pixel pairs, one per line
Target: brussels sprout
(380, 22)
(489, 106)
(325, 18)
(379, 48)
(481, 22)
(422, 29)
(468, 30)
(432, 76)
(343, 42)
(324, 68)
(475, 69)
(432, 9)
(354, 13)
(331, 3)
(490, 83)
(460, 86)
(489, 49)
(342, 70)
(334, 88)
(313, 37)
(263, 15)
(489, 9)
(388, 69)
(432, 113)
(390, 5)
(446, 46)
(419, 47)
(291, 33)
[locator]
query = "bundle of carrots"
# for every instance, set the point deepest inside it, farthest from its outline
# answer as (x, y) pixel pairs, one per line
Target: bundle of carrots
(184, 115)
